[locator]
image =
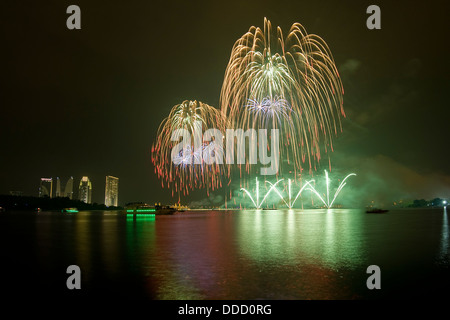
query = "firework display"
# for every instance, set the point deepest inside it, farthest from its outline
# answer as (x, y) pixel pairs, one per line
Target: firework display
(190, 167)
(289, 83)
(308, 186)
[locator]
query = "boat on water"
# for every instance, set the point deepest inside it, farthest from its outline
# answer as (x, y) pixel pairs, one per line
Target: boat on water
(69, 210)
(145, 209)
(376, 210)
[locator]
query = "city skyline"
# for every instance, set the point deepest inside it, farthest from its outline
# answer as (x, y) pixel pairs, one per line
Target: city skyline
(84, 190)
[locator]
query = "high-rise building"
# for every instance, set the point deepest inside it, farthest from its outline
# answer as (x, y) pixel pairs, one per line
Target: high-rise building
(43, 190)
(58, 188)
(85, 190)
(68, 190)
(112, 191)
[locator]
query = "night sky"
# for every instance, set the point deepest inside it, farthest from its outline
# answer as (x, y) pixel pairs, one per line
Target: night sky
(89, 101)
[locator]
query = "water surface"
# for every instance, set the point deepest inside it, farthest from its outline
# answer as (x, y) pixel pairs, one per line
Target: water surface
(252, 254)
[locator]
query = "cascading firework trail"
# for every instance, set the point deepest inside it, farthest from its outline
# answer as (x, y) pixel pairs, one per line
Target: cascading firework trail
(329, 204)
(306, 186)
(258, 203)
(288, 83)
(191, 167)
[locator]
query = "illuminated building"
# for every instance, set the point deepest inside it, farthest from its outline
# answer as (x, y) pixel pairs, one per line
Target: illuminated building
(111, 191)
(58, 188)
(43, 187)
(85, 190)
(68, 190)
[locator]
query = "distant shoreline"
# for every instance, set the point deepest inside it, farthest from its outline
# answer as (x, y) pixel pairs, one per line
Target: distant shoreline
(27, 203)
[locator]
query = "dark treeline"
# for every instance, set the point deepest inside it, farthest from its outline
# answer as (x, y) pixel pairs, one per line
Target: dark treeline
(436, 202)
(9, 202)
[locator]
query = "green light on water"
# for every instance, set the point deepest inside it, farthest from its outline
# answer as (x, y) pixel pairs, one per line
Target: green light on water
(131, 216)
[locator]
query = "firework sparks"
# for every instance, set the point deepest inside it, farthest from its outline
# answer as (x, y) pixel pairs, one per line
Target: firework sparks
(192, 166)
(269, 108)
(258, 203)
(307, 186)
(289, 83)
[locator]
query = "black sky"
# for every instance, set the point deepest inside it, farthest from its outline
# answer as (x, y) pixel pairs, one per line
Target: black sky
(89, 101)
